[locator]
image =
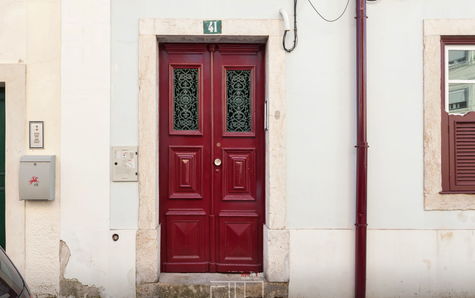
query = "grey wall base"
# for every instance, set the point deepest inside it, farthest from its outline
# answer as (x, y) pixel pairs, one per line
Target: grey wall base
(196, 285)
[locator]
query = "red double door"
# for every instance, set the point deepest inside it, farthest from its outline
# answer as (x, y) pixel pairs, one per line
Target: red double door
(212, 156)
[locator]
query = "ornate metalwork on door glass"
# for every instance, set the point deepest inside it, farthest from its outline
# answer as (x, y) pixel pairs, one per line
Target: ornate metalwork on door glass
(185, 99)
(238, 102)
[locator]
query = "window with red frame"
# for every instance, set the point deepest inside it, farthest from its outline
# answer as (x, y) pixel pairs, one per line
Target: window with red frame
(458, 114)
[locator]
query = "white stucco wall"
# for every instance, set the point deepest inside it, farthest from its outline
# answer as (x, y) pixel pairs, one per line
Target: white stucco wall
(399, 191)
(411, 252)
(85, 142)
(30, 38)
(320, 80)
(13, 15)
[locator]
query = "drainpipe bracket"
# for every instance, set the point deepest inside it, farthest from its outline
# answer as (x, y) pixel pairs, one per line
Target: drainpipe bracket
(364, 145)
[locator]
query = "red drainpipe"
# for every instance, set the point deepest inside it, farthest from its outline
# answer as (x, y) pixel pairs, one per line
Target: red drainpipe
(361, 153)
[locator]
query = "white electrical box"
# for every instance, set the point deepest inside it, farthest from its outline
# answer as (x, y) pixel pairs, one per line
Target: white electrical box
(37, 177)
(124, 163)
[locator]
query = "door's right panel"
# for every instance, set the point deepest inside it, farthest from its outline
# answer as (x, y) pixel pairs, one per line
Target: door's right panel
(238, 190)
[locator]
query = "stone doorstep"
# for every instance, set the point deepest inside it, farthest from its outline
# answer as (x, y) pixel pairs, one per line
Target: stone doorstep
(212, 285)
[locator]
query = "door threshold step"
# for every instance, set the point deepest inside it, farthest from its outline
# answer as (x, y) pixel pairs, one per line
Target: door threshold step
(208, 278)
(213, 285)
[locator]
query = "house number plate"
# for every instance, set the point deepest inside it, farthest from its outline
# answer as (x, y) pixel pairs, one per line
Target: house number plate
(212, 27)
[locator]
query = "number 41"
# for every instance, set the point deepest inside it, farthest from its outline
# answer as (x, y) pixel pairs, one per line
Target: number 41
(213, 26)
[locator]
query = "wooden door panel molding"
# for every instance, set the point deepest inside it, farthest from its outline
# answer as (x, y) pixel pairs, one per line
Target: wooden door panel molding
(185, 236)
(239, 243)
(186, 233)
(185, 48)
(239, 238)
(239, 178)
(186, 172)
(239, 49)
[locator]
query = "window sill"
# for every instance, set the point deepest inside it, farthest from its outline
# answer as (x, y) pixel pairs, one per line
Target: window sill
(461, 192)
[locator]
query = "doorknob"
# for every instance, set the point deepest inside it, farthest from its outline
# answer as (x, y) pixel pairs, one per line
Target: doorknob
(217, 162)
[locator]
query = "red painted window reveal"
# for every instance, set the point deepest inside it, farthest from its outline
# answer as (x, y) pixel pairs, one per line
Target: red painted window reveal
(211, 143)
(458, 135)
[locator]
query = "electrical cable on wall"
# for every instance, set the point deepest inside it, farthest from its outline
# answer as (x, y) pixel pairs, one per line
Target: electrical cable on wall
(326, 19)
(286, 20)
(287, 27)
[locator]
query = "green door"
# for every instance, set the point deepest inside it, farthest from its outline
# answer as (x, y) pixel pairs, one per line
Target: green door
(2, 166)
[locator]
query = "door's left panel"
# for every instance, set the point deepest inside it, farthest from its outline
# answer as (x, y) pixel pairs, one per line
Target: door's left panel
(184, 157)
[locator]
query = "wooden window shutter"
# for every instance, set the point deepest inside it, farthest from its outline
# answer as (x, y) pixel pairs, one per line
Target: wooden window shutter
(461, 137)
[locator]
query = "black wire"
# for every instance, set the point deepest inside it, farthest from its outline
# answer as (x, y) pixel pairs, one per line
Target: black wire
(295, 31)
(324, 18)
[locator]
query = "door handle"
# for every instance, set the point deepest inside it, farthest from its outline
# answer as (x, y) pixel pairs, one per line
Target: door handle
(217, 162)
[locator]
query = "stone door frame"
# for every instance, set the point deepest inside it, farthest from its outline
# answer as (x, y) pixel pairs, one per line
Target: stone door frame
(276, 233)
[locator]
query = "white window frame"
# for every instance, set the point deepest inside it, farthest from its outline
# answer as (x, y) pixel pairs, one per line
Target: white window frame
(447, 81)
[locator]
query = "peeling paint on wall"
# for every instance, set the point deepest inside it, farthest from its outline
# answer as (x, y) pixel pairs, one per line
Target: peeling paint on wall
(72, 287)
